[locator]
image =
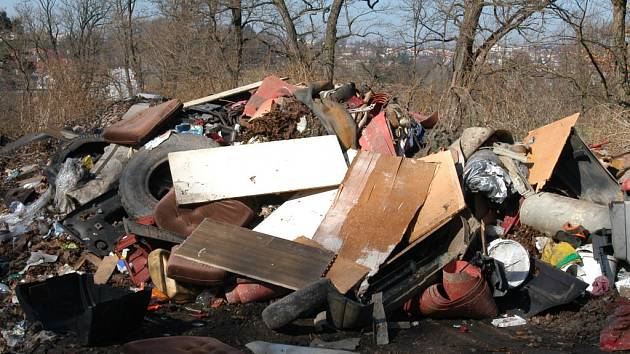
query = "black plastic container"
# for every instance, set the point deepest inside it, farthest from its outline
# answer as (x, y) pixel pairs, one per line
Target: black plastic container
(98, 314)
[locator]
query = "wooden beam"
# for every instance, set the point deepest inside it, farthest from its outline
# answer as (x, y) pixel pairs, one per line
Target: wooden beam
(226, 94)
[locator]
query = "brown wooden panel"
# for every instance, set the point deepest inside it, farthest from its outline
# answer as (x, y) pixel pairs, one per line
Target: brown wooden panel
(256, 255)
(377, 201)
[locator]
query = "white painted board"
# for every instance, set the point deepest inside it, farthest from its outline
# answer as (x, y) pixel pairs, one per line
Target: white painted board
(298, 216)
(255, 169)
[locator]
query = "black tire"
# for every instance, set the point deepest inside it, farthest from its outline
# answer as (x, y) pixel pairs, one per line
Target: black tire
(147, 177)
(80, 146)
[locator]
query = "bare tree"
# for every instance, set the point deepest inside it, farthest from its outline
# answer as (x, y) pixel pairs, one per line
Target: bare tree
(475, 40)
(124, 19)
(307, 14)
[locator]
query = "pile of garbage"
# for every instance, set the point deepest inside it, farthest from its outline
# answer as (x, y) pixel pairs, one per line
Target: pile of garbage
(318, 201)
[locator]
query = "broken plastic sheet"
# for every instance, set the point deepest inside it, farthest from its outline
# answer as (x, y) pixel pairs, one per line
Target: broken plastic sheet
(484, 174)
(25, 214)
(69, 176)
(38, 258)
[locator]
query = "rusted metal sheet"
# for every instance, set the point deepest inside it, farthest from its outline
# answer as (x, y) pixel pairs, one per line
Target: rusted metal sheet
(547, 143)
(377, 136)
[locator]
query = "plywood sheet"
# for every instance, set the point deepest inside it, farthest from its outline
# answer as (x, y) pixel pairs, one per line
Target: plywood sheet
(392, 196)
(327, 233)
(247, 170)
(343, 273)
(547, 143)
(444, 200)
(298, 216)
(377, 201)
(266, 258)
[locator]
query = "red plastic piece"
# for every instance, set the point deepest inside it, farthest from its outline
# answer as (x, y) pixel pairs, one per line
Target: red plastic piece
(137, 259)
(354, 102)
(377, 136)
(625, 185)
(468, 295)
(253, 292)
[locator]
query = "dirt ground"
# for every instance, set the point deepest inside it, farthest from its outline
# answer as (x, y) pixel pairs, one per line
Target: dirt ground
(237, 325)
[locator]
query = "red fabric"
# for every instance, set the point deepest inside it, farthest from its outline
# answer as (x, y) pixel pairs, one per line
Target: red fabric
(616, 332)
(272, 87)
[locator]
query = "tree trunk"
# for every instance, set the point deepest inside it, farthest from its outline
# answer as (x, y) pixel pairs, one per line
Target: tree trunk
(295, 54)
(237, 24)
(463, 59)
(620, 52)
(459, 103)
(330, 41)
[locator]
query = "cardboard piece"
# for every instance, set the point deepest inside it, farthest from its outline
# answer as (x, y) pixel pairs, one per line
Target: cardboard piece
(247, 170)
(255, 255)
(547, 143)
(298, 216)
(105, 269)
(444, 200)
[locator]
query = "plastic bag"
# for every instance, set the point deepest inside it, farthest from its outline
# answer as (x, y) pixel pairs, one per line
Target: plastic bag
(69, 176)
(484, 174)
(560, 254)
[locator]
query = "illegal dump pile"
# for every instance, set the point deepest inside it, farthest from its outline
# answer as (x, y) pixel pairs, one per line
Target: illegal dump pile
(314, 200)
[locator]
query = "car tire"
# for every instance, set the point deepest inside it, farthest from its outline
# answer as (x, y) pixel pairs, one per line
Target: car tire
(147, 177)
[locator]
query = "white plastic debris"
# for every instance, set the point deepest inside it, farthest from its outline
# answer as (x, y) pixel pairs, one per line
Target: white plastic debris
(38, 258)
(155, 142)
(623, 283)
(509, 321)
(25, 215)
(301, 126)
(69, 176)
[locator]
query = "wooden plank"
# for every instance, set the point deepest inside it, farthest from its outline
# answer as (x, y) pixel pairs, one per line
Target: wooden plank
(378, 199)
(343, 273)
(262, 257)
(226, 94)
(298, 216)
(247, 170)
(327, 233)
(393, 194)
(547, 143)
(444, 200)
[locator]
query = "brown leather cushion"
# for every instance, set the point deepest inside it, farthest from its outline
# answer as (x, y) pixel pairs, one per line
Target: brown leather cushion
(190, 272)
(140, 127)
(179, 344)
(183, 220)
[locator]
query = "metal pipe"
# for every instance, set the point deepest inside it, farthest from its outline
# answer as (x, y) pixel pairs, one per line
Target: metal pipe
(547, 212)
